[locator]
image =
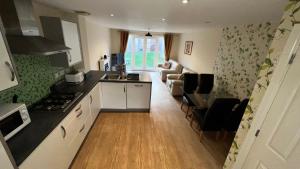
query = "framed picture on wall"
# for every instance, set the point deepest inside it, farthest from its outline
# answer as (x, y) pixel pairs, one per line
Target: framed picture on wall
(188, 47)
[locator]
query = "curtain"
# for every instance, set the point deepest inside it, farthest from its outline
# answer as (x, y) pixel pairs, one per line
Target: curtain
(124, 40)
(168, 45)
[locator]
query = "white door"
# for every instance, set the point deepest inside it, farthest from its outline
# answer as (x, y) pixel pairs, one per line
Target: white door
(138, 95)
(95, 101)
(71, 38)
(278, 143)
(113, 95)
(7, 72)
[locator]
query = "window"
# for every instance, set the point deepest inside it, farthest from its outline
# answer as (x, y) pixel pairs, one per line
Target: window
(144, 53)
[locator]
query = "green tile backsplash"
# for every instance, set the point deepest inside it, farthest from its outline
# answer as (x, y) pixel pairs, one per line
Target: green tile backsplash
(36, 75)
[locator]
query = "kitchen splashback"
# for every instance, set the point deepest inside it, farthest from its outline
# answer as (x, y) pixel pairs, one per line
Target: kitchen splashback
(36, 75)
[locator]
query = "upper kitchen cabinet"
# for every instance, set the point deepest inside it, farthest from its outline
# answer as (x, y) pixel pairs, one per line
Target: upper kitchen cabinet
(66, 33)
(7, 69)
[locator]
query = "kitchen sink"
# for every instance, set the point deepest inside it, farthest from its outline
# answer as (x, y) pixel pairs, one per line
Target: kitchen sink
(111, 77)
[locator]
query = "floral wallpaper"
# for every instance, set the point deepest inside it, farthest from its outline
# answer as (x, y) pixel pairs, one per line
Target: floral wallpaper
(241, 52)
(36, 75)
(290, 18)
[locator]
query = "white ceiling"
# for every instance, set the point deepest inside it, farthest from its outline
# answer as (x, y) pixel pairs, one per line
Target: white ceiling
(143, 14)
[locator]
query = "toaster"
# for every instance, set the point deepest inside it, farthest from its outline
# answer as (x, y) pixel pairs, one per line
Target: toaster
(76, 77)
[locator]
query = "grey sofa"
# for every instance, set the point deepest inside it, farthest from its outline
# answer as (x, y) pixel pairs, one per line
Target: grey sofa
(175, 82)
(175, 68)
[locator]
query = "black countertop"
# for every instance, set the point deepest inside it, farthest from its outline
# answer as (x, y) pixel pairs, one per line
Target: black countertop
(43, 123)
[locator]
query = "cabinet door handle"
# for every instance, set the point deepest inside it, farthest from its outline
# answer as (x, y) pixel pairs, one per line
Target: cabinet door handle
(82, 128)
(138, 85)
(79, 114)
(91, 98)
(11, 71)
(78, 108)
(69, 56)
(64, 133)
(124, 90)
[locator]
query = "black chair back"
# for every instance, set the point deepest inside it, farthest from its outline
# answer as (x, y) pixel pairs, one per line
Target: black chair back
(190, 82)
(233, 121)
(215, 115)
(206, 83)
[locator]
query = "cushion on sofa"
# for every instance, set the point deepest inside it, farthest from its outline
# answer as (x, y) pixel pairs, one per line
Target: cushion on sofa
(179, 68)
(166, 65)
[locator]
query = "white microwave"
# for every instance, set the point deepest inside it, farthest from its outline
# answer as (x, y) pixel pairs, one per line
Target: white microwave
(13, 118)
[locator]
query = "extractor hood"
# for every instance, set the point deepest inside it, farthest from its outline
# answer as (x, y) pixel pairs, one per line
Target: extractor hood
(22, 32)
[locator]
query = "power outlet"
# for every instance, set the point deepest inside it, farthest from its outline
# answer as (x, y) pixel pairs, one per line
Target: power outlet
(59, 74)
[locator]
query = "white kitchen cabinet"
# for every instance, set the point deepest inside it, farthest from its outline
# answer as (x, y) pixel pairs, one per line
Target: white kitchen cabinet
(66, 33)
(71, 37)
(50, 154)
(95, 105)
(58, 150)
(113, 95)
(7, 70)
(138, 95)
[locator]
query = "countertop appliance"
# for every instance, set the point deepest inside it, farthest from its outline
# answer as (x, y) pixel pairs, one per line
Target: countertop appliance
(13, 118)
(56, 102)
(76, 77)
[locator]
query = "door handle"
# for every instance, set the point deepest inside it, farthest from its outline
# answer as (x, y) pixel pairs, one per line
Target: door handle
(124, 90)
(64, 133)
(82, 128)
(78, 108)
(11, 71)
(91, 98)
(79, 114)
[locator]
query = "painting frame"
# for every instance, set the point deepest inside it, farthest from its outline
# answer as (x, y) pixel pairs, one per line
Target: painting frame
(188, 48)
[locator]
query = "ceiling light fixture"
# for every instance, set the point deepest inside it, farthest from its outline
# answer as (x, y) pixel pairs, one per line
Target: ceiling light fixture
(112, 15)
(84, 13)
(185, 1)
(164, 19)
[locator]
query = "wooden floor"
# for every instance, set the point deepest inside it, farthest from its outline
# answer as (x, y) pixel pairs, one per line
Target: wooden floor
(162, 139)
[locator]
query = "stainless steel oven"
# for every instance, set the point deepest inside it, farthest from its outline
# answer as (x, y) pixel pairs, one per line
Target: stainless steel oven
(13, 118)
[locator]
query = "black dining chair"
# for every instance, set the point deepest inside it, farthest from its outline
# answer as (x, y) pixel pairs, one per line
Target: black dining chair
(233, 121)
(212, 118)
(190, 83)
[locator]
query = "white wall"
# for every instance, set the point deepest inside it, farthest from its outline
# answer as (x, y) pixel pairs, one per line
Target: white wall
(96, 41)
(115, 40)
(205, 49)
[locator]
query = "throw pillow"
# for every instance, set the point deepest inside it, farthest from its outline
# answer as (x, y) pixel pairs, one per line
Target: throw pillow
(179, 68)
(166, 65)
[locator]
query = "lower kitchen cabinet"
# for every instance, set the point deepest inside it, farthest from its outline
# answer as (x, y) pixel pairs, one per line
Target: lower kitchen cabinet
(113, 95)
(94, 97)
(50, 154)
(138, 95)
(58, 150)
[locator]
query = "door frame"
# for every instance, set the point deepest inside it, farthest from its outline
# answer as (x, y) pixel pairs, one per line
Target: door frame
(280, 71)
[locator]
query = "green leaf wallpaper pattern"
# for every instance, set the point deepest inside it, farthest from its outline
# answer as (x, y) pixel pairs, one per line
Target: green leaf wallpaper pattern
(241, 51)
(36, 75)
(290, 18)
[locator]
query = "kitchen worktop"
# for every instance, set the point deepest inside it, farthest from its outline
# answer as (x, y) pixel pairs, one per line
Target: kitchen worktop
(43, 123)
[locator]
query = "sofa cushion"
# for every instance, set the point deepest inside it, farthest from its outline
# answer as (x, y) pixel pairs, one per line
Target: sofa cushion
(179, 68)
(166, 65)
(173, 64)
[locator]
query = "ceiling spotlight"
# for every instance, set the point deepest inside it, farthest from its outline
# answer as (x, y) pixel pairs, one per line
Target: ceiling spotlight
(185, 1)
(112, 15)
(164, 19)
